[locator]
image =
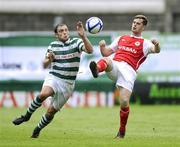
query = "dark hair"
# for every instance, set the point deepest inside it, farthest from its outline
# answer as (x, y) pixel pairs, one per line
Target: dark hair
(56, 27)
(144, 18)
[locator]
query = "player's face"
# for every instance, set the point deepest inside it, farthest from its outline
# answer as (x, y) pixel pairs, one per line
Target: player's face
(62, 33)
(137, 26)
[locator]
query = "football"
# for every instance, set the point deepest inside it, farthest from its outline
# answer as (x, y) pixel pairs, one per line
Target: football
(94, 25)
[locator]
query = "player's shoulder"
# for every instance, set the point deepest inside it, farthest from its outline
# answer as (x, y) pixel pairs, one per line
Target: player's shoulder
(125, 36)
(148, 43)
(74, 39)
(54, 42)
(118, 38)
(147, 40)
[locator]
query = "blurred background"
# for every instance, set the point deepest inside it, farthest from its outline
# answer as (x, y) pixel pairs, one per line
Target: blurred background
(26, 29)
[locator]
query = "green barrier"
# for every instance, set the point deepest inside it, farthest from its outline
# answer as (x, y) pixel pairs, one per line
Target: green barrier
(44, 40)
(90, 85)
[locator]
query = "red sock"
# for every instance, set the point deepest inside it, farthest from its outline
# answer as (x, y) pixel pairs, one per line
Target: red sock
(124, 113)
(102, 65)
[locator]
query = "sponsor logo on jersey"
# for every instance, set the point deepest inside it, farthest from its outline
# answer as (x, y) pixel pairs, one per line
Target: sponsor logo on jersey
(129, 49)
(66, 56)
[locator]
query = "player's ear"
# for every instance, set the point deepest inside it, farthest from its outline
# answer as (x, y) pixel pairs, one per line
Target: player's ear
(143, 28)
(56, 34)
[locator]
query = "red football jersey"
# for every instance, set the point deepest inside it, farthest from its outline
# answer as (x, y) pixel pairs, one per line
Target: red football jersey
(130, 50)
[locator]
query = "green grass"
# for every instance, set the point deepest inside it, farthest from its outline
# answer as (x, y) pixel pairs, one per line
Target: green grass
(148, 126)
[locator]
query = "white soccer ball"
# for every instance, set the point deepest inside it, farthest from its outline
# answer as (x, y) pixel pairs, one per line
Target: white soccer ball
(94, 25)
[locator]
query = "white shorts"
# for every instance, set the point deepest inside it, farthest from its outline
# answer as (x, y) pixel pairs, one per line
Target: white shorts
(123, 74)
(62, 89)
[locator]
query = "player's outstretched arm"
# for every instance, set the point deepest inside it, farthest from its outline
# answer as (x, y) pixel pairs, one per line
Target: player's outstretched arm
(105, 51)
(88, 48)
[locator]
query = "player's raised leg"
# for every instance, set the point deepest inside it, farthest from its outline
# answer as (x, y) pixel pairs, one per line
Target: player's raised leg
(98, 67)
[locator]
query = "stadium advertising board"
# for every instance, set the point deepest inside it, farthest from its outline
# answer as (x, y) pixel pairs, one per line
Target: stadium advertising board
(22, 63)
(21, 59)
(157, 93)
(78, 99)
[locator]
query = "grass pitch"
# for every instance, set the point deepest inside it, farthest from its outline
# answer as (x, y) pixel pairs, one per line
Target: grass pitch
(148, 126)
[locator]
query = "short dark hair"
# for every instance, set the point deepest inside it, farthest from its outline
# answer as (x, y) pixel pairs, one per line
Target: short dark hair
(143, 17)
(55, 28)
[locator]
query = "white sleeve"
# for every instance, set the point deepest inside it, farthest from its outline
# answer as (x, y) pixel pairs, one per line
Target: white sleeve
(147, 45)
(114, 44)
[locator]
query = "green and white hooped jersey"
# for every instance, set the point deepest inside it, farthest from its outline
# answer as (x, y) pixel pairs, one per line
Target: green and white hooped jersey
(67, 58)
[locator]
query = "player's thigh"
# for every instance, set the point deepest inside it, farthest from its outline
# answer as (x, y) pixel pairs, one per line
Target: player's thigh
(113, 74)
(49, 87)
(126, 76)
(46, 91)
(59, 100)
(62, 95)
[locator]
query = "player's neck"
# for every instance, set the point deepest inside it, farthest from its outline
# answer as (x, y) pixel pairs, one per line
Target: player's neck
(63, 40)
(136, 34)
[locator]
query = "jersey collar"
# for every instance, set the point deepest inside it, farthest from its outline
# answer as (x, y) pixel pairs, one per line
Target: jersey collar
(66, 42)
(135, 36)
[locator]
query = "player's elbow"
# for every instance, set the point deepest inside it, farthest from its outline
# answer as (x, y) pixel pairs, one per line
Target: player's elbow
(90, 51)
(105, 55)
(45, 66)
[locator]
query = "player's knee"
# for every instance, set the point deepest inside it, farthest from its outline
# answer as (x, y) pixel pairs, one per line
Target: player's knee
(49, 116)
(44, 95)
(124, 102)
(107, 60)
(46, 92)
(109, 64)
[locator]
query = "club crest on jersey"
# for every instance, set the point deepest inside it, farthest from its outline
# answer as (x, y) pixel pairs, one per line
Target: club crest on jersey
(137, 43)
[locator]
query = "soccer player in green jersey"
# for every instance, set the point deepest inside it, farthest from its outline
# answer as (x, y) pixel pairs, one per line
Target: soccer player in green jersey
(63, 56)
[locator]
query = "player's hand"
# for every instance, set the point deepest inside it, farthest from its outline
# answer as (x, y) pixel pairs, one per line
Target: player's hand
(102, 44)
(155, 42)
(156, 48)
(80, 29)
(50, 55)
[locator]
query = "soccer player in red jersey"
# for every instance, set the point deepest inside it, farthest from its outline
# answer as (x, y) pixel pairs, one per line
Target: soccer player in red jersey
(130, 51)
